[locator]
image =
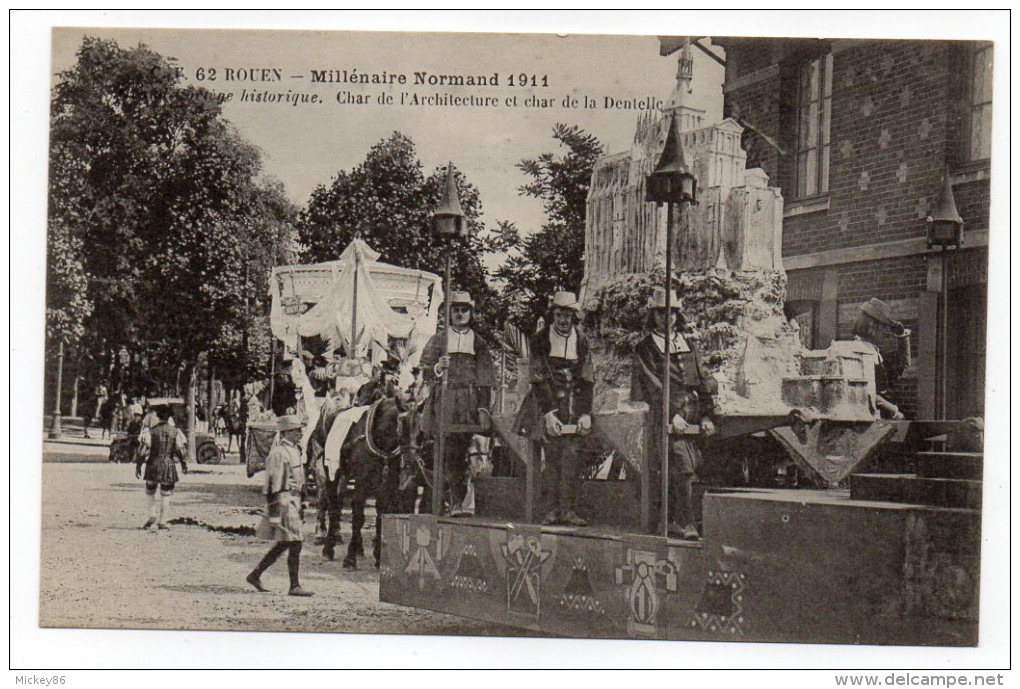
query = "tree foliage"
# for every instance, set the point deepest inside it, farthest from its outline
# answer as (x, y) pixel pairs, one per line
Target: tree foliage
(388, 201)
(68, 306)
(160, 200)
(552, 258)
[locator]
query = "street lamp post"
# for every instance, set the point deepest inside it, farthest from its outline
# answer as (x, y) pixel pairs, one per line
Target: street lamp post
(448, 224)
(56, 429)
(945, 229)
(671, 183)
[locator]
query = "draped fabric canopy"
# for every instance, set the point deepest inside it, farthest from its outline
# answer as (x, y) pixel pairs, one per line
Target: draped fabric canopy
(353, 308)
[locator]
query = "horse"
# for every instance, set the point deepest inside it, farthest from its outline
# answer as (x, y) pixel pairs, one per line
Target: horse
(232, 425)
(331, 406)
(376, 449)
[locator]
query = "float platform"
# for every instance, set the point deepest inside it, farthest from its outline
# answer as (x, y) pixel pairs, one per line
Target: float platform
(774, 565)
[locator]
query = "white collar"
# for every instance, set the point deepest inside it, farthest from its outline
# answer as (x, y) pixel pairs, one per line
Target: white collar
(462, 343)
(872, 347)
(563, 346)
(678, 346)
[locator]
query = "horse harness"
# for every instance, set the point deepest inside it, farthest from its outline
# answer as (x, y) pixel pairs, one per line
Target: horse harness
(367, 435)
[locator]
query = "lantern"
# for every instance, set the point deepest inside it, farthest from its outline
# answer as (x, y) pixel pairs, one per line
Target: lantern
(448, 219)
(672, 181)
(945, 226)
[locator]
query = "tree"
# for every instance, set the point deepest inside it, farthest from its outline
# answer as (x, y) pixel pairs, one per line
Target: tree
(162, 198)
(241, 350)
(388, 201)
(67, 303)
(552, 258)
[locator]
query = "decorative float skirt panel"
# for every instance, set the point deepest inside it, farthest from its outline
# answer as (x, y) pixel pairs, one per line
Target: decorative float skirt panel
(794, 566)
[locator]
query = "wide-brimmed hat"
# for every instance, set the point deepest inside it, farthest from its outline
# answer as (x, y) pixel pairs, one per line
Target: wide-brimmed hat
(657, 300)
(164, 401)
(289, 422)
(879, 310)
(463, 298)
(565, 300)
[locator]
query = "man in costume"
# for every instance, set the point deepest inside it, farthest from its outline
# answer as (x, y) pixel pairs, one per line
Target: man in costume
(318, 373)
(282, 523)
(557, 410)
(159, 449)
(887, 370)
(468, 371)
(690, 406)
(284, 397)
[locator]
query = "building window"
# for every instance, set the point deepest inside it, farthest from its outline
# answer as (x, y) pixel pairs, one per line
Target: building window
(980, 101)
(814, 114)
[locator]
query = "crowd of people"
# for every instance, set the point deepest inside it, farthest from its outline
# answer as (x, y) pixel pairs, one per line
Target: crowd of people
(109, 413)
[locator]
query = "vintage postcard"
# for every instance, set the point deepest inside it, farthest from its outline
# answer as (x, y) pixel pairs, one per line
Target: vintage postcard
(613, 337)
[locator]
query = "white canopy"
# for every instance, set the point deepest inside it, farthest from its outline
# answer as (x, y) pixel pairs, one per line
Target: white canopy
(352, 305)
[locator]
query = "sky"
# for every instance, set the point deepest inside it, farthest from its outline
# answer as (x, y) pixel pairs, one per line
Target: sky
(305, 145)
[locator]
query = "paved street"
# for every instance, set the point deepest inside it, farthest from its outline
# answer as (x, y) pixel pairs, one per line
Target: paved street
(99, 569)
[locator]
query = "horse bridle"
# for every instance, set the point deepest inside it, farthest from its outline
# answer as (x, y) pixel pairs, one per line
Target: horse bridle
(395, 452)
(412, 442)
(372, 447)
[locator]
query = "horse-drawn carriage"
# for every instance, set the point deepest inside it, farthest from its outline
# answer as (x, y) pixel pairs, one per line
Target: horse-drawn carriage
(339, 322)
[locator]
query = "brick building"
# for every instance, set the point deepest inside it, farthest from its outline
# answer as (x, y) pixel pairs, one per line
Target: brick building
(858, 135)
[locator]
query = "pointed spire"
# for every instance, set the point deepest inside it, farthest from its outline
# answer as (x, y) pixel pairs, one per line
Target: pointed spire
(684, 76)
(945, 204)
(672, 159)
(450, 203)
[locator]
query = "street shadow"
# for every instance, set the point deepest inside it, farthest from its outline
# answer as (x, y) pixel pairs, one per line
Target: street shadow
(127, 528)
(224, 494)
(62, 458)
(215, 589)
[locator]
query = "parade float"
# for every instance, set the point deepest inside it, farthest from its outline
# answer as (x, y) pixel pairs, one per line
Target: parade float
(357, 304)
(843, 554)
(362, 312)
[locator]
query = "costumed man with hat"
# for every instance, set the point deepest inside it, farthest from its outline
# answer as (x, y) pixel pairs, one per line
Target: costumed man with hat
(318, 372)
(557, 409)
(159, 449)
(284, 398)
(886, 370)
(285, 479)
(690, 405)
(470, 375)
(383, 383)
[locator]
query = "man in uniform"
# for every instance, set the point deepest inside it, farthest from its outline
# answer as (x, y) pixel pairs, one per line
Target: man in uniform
(558, 408)
(470, 375)
(282, 523)
(690, 404)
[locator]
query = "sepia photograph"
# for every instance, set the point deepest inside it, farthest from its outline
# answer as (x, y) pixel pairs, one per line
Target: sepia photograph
(500, 337)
